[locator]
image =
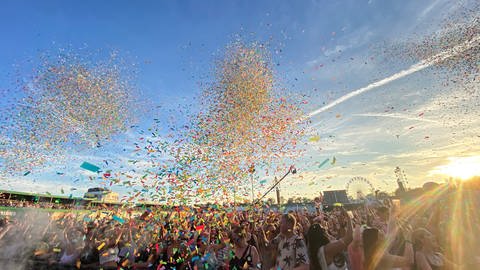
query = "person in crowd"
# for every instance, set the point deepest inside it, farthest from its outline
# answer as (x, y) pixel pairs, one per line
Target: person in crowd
(223, 250)
(380, 220)
(427, 255)
(355, 249)
(325, 254)
(72, 248)
(108, 257)
(5, 226)
(267, 252)
(376, 256)
(291, 248)
(245, 256)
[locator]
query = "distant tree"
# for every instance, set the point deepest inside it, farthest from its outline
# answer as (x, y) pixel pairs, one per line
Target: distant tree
(382, 195)
(271, 201)
(307, 200)
(297, 199)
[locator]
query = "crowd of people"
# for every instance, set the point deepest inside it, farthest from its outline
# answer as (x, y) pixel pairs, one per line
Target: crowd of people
(31, 204)
(368, 236)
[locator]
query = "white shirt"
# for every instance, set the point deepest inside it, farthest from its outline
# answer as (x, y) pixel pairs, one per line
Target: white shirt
(291, 252)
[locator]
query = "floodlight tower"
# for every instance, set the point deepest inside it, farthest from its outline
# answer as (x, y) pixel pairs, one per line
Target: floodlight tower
(401, 179)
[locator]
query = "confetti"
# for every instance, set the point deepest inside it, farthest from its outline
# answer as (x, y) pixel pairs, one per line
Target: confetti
(323, 163)
(69, 100)
(101, 246)
(119, 219)
(90, 167)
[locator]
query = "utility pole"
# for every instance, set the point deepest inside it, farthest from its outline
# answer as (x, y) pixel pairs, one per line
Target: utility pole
(251, 170)
(234, 198)
(251, 179)
(278, 196)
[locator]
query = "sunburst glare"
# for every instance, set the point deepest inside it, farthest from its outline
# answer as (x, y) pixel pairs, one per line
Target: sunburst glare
(459, 167)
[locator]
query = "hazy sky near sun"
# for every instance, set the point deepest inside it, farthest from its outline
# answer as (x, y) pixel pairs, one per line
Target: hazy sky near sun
(321, 49)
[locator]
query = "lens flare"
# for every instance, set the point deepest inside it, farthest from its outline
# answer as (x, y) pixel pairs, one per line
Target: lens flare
(459, 167)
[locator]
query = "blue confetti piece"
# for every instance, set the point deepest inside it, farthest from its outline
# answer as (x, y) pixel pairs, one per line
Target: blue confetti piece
(90, 167)
(323, 163)
(119, 219)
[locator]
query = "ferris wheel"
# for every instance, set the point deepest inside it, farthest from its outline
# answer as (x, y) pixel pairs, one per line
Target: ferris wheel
(359, 187)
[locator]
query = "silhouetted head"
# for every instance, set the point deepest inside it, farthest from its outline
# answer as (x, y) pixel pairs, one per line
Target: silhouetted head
(316, 238)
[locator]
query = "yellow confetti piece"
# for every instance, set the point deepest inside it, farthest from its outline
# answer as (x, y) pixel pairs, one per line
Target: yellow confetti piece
(39, 252)
(101, 246)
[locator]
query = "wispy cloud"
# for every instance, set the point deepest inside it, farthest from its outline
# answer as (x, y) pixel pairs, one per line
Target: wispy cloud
(353, 40)
(412, 69)
(397, 116)
(428, 9)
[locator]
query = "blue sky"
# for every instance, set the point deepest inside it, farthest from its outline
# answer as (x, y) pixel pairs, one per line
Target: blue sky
(324, 49)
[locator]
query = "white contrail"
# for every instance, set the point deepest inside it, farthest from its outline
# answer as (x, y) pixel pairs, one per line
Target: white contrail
(396, 115)
(412, 69)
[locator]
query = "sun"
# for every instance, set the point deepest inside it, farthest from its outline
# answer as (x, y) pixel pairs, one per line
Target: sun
(460, 167)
